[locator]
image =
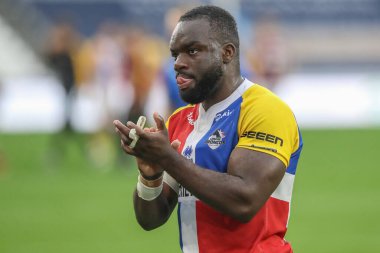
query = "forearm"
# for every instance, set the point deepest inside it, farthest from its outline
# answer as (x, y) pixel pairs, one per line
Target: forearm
(151, 214)
(226, 193)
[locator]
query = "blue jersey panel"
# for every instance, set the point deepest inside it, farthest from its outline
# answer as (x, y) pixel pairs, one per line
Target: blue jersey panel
(214, 149)
(295, 156)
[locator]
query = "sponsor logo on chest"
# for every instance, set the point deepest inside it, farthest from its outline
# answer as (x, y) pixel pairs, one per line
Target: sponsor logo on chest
(221, 115)
(216, 139)
(190, 118)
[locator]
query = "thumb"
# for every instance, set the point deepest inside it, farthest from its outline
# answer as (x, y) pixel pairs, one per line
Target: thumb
(175, 144)
(160, 123)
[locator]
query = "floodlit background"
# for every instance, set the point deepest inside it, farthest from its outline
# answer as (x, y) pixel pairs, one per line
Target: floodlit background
(69, 68)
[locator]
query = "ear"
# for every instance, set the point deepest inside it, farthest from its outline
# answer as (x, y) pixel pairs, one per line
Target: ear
(229, 51)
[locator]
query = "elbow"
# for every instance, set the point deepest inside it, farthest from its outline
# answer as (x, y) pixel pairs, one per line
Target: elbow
(246, 210)
(246, 214)
(147, 226)
(248, 205)
(245, 219)
(149, 223)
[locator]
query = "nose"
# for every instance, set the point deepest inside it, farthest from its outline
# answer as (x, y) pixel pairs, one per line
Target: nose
(180, 63)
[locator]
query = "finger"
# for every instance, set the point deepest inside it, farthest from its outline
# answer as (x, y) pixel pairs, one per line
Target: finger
(124, 138)
(160, 123)
(118, 131)
(175, 144)
(127, 149)
(139, 130)
(121, 127)
(150, 129)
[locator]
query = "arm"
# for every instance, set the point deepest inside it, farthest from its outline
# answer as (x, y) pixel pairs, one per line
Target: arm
(152, 214)
(240, 193)
(251, 176)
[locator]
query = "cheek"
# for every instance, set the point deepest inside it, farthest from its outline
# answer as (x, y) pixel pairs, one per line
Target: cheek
(199, 69)
(205, 63)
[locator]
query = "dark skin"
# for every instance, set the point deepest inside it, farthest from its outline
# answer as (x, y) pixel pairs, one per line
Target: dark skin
(251, 176)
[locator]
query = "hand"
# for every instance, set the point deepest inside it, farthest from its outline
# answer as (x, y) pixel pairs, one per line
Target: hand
(152, 170)
(153, 144)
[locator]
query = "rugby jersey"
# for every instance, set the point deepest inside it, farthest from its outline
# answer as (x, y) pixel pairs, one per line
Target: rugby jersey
(251, 117)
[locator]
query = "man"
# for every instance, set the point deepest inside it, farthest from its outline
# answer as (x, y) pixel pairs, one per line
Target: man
(228, 159)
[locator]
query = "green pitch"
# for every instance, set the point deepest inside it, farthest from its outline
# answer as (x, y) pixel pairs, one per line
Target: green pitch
(78, 199)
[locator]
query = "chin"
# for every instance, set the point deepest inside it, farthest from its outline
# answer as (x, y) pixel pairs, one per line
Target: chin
(191, 97)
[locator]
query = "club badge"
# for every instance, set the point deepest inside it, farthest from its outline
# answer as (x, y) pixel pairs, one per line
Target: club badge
(216, 139)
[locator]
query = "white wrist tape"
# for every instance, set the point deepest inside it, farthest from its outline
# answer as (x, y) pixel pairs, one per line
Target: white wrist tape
(133, 135)
(169, 180)
(148, 193)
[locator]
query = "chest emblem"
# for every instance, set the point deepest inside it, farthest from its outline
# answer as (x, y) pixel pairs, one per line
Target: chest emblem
(216, 139)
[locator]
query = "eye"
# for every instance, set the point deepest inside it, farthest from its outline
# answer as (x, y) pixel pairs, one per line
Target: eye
(193, 51)
(175, 56)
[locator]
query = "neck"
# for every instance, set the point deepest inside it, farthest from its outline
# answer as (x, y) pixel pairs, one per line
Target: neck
(227, 87)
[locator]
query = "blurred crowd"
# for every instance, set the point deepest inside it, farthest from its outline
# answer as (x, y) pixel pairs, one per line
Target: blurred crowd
(122, 69)
(121, 62)
(132, 68)
(129, 72)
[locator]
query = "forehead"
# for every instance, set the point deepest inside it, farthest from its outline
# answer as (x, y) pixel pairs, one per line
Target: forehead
(193, 30)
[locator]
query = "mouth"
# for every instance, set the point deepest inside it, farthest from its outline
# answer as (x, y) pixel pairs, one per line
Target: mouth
(183, 81)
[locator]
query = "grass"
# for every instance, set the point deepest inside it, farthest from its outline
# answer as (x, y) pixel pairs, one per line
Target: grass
(81, 201)
(335, 201)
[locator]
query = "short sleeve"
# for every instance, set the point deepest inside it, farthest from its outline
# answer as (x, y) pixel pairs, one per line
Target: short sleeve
(267, 124)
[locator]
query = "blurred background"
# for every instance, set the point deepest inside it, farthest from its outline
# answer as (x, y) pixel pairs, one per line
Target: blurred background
(69, 68)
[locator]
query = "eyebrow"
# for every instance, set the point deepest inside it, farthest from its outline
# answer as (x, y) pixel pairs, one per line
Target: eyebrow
(187, 45)
(191, 43)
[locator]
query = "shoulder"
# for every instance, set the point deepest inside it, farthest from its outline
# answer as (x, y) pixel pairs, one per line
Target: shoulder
(260, 105)
(260, 98)
(267, 123)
